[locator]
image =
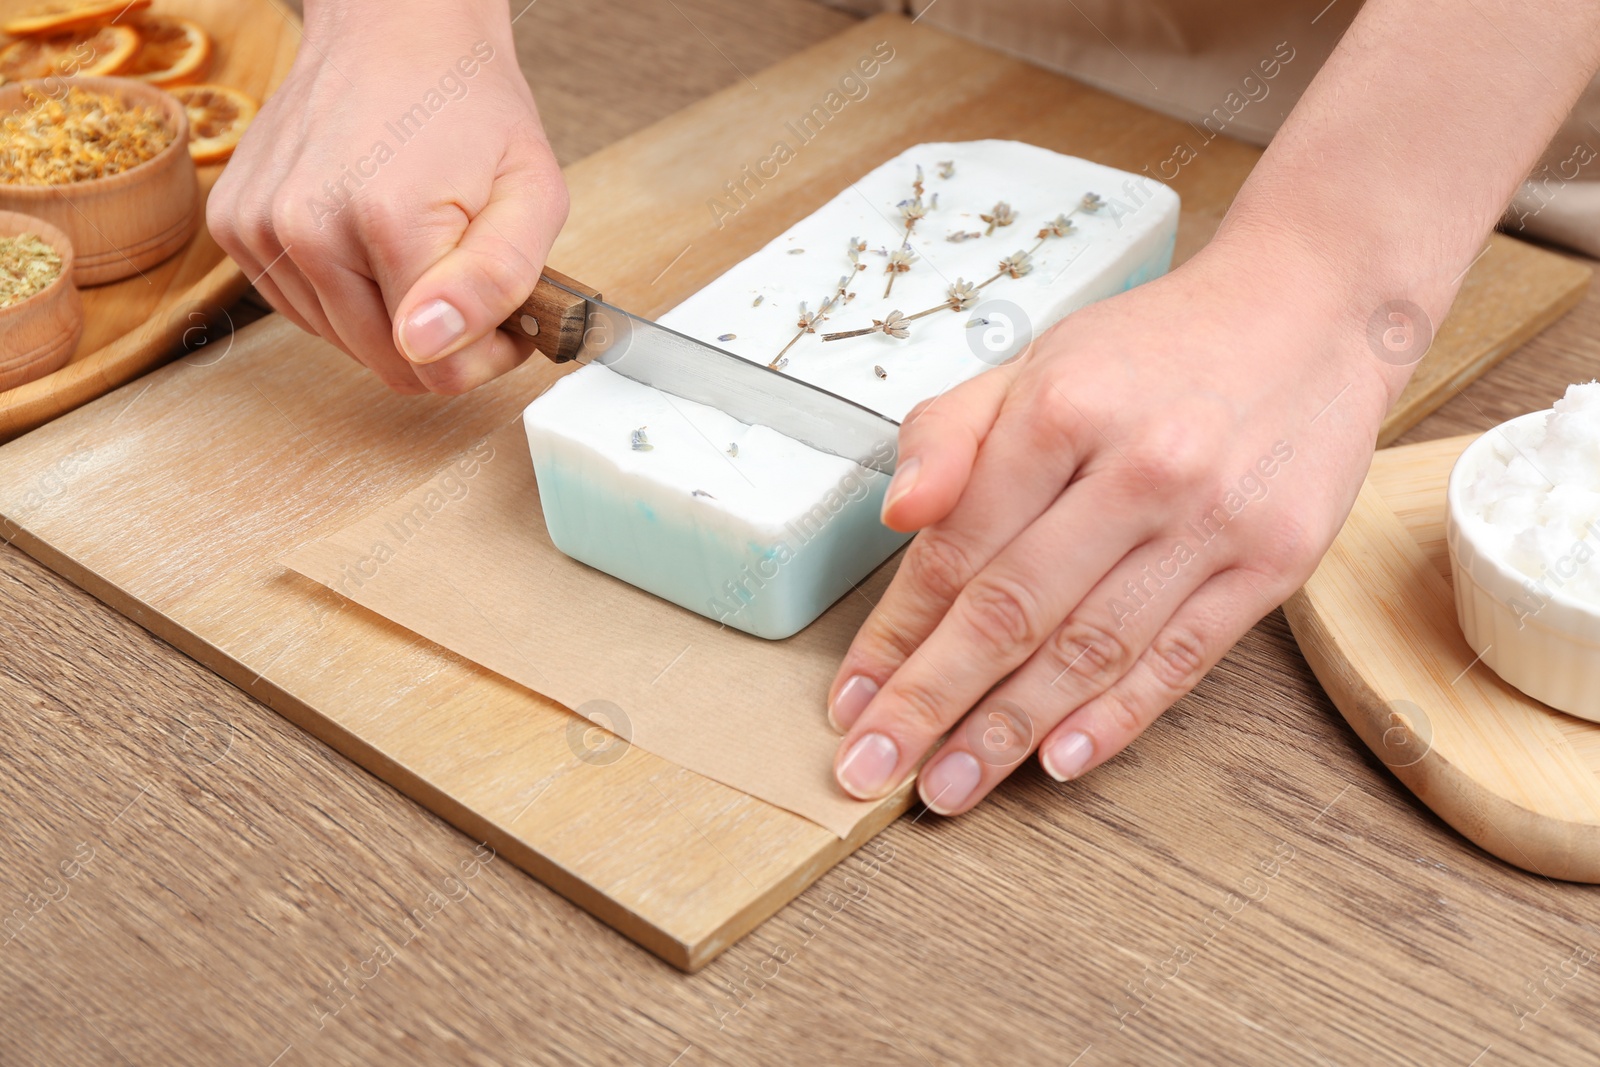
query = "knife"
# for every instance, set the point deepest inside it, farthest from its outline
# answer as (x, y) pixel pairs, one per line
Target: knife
(567, 320)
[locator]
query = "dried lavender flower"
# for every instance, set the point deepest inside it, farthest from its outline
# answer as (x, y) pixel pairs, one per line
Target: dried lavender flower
(854, 250)
(1059, 226)
(900, 261)
(640, 442)
(947, 169)
(880, 372)
(806, 323)
(999, 215)
(893, 324)
(1017, 264)
(1092, 202)
(963, 295)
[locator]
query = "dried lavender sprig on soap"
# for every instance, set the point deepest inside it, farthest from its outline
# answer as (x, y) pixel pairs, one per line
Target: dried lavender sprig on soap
(1013, 266)
(892, 324)
(912, 212)
(854, 250)
(1062, 225)
(899, 262)
(959, 297)
(807, 322)
(999, 215)
(963, 295)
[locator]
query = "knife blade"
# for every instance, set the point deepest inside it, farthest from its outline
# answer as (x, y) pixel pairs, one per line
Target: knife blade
(567, 320)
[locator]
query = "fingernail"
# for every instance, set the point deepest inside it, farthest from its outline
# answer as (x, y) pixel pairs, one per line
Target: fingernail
(947, 784)
(904, 480)
(431, 329)
(853, 698)
(1065, 757)
(867, 766)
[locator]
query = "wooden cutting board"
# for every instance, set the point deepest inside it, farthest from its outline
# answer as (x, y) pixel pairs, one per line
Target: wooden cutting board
(172, 498)
(1377, 623)
(137, 323)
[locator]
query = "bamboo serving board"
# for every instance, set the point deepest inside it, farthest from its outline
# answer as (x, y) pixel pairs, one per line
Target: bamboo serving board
(131, 325)
(173, 498)
(1377, 623)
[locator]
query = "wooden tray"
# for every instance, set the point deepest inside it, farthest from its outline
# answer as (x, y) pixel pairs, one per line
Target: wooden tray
(1377, 623)
(133, 324)
(173, 498)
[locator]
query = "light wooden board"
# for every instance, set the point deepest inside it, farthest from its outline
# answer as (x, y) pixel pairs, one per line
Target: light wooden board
(209, 470)
(1377, 623)
(131, 325)
(1514, 291)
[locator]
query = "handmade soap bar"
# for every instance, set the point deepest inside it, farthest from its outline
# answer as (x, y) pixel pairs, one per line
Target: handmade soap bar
(1126, 240)
(739, 523)
(995, 240)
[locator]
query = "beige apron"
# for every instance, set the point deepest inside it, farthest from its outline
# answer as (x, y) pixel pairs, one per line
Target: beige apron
(1238, 66)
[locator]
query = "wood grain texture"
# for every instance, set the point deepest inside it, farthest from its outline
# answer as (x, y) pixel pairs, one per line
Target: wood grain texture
(711, 863)
(1377, 623)
(238, 887)
(1513, 291)
(680, 863)
(134, 324)
(39, 334)
(554, 318)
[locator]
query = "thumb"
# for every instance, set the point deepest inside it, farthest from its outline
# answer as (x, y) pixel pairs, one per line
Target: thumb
(476, 285)
(939, 442)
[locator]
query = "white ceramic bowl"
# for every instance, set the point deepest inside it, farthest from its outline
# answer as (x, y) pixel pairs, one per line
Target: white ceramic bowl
(1538, 638)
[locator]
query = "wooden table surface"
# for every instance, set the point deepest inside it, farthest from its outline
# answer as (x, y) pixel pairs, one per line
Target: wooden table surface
(186, 878)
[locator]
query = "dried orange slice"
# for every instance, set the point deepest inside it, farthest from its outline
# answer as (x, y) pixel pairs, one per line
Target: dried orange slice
(172, 51)
(60, 16)
(218, 116)
(105, 50)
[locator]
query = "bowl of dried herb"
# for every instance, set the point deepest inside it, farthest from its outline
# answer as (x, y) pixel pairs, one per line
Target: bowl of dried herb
(106, 161)
(41, 314)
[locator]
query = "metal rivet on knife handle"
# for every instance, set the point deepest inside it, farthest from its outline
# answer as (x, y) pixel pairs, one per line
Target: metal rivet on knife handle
(553, 318)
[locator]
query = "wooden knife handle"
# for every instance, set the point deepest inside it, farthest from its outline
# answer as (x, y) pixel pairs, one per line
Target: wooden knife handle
(553, 318)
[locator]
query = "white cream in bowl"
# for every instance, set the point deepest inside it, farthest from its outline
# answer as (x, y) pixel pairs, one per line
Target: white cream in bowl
(1524, 534)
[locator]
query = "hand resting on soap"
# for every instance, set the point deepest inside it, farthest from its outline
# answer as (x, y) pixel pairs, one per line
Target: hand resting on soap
(405, 252)
(1101, 520)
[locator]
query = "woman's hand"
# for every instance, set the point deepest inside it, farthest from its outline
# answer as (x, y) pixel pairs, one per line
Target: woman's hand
(1102, 519)
(397, 195)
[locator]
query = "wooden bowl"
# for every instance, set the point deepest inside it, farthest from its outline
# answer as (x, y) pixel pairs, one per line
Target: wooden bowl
(39, 335)
(121, 224)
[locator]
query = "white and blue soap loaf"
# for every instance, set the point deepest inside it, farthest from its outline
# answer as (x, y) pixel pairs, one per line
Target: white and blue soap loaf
(756, 530)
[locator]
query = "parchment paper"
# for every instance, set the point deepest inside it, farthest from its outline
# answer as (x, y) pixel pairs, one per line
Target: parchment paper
(465, 561)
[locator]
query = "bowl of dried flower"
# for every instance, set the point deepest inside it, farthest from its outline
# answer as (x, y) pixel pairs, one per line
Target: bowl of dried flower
(41, 314)
(106, 161)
